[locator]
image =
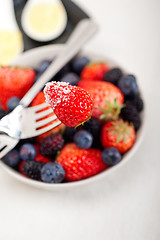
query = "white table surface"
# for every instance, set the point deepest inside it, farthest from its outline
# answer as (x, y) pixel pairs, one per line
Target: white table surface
(126, 204)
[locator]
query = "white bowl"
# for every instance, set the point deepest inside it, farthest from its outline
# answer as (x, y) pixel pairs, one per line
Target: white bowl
(32, 58)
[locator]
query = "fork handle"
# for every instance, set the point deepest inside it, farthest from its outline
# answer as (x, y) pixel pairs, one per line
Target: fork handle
(83, 31)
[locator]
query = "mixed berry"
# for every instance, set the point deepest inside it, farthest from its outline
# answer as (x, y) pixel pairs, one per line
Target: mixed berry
(100, 110)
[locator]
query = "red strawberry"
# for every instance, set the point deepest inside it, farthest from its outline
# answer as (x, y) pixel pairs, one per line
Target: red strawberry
(104, 95)
(14, 82)
(80, 163)
(94, 71)
(39, 99)
(118, 134)
(40, 158)
(71, 104)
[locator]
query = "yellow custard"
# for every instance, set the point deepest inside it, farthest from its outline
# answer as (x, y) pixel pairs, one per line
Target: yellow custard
(10, 45)
(45, 17)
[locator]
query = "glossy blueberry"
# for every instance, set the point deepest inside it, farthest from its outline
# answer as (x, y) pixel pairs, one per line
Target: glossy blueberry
(52, 172)
(12, 158)
(79, 63)
(12, 103)
(111, 156)
(43, 66)
(113, 75)
(71, 78)
(83, 139)
(128, 85)
(27, 152)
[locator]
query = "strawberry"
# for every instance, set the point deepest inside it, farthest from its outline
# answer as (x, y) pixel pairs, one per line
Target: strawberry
(71, 104)
(39, 99)
(119, 134)
(94, 71)
(14, 82)
(80, 163)
(107, 98)
(40, 158)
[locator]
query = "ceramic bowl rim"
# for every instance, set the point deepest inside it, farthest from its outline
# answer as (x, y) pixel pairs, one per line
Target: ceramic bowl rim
(47, 186)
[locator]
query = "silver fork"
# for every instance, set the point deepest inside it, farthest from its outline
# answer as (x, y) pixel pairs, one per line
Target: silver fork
(30, 122)
(83, 31)
(41, 119)
(38, 125)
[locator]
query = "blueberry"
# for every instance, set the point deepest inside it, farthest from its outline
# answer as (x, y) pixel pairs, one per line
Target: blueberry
(71, 78)
(27, 152)
(12, 103)
(52, 172)
(94, 127)
(61, 73)
(128, 86)
(113, 75)
(31, 140)
(83, 139)
(138, 103)
(38, 75)
(43, 66)
(130, 114)
(12, 158)
(78, 64)
(69, 133)
(111, 156)
(2, 113)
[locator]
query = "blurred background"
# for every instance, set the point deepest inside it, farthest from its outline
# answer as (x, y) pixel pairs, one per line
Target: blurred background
(124, 205)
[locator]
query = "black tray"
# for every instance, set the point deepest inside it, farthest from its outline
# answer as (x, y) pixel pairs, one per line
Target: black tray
(74, 13)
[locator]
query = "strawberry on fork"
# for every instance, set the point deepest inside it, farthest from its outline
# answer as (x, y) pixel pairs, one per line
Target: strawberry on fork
(71, 104)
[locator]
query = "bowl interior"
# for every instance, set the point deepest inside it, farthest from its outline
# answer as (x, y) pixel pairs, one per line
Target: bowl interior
(32, 58)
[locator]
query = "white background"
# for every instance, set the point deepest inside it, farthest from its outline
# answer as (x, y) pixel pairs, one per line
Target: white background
(126, 204)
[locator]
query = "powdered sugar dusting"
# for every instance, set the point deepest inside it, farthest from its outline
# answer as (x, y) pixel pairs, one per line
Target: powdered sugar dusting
(55, 92)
